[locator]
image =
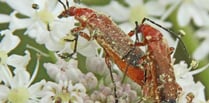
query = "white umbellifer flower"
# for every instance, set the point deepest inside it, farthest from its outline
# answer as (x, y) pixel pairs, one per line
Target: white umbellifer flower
(136, 11)
(124, 93)
(89, 81)
(6, 46)
(42, 23)
(63, 70)
(202, 50)
(184, 78)
(150, 9)
(63, 92)
(19, 62)
(97, 65)
(17, 85)
(196, 10)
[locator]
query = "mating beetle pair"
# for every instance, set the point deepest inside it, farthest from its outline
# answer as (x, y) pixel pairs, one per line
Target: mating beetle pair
(151, 69)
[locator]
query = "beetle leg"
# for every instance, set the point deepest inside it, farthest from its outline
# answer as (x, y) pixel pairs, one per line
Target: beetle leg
(171, 50)
(76, 32)
(79, 29)
(124, 76)
(67, 55)
(107, 60)
(135, 32)
(131, 33)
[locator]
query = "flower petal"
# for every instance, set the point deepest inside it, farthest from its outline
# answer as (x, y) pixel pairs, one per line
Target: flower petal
(21, 78)
(22, 6)
(17, 23)
(4, 92)
(6, 75)
(202, 3)
(97, 65)
(4, 18)
(36, 88)
(202, 50)
(200, 17)
(19, 62)
(184, 15)
(115, 9)
(38, 31)
(154, 8)
(9, 42)
(46, 4)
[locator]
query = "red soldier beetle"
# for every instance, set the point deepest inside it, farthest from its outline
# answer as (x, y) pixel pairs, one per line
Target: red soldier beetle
(153, 70)
(118, 46)
(160, 83)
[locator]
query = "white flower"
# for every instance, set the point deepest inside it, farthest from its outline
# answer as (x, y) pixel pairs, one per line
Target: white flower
(19, 62)
(63, 70)
(115, 13)
(103, 94)
(139, 10)
(89, 81)
(124, 92)
(64, 92)
(17, 84)
(42, 23)
(136, 11)
(202, 50)
(195, 10)
(97, 65)
(184, 78)
(6, 45)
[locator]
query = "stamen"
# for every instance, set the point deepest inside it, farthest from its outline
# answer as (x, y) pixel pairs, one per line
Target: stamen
(35, 71)
(37, 50)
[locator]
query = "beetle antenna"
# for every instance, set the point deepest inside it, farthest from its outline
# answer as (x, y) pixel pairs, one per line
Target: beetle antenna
(136, 31)
(67, 3)
(62, 4)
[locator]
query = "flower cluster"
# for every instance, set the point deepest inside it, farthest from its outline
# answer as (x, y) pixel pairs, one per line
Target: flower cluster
(33, 42)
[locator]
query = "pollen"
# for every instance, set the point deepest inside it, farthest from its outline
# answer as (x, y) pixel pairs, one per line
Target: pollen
(19, 95)
(148, 37)
(64, 97)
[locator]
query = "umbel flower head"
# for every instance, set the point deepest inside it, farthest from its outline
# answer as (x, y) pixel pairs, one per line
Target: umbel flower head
(16, 83)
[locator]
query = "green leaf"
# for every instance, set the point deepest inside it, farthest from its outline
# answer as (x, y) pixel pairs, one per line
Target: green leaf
(95, 2)
(123, 2)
